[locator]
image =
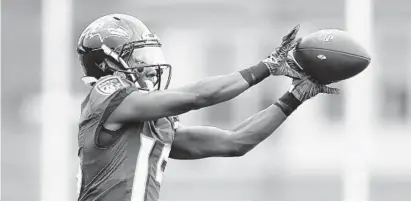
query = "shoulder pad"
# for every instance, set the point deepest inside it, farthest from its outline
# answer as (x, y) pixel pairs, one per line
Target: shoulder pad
(109, 85)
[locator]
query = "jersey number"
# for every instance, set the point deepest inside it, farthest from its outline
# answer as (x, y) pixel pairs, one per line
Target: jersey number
(142, 166)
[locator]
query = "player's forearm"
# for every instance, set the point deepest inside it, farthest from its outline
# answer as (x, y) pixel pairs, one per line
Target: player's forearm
(206, 141)
(256, 129)
(217, 89)
(214, 90)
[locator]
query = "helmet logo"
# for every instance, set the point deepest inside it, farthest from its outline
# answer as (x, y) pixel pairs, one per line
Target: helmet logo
(93, 29)
(103, 30)
(118, 32)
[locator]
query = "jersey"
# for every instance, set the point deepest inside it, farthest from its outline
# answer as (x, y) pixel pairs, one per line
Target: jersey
(126, 164)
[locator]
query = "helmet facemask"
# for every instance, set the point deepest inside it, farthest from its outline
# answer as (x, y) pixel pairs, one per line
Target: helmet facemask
(136, 58)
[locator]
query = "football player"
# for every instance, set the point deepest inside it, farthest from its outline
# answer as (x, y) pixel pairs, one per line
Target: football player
(129, 127)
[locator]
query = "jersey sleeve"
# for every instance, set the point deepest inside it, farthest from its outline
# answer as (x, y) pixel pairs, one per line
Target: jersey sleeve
(106, 95)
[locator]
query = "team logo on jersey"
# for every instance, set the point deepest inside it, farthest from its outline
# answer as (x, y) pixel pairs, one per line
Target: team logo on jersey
(109, 86)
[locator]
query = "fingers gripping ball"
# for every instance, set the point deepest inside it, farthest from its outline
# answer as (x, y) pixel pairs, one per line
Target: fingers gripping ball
(305, 88)
(276, 61)
(330, 55)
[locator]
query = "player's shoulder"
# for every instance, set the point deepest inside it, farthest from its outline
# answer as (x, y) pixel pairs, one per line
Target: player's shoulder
(108, 85)
(106, 89)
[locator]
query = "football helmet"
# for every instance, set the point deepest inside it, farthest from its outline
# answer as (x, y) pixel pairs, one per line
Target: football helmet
(120, 44)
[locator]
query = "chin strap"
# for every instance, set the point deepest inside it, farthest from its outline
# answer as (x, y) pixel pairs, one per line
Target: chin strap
(108, 51)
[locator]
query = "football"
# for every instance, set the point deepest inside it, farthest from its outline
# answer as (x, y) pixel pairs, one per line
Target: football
(330, 55)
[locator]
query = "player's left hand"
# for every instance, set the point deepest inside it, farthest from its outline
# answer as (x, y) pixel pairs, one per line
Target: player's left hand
(276, 61)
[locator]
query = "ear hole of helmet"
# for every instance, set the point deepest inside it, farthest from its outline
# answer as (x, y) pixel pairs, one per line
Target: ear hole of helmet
(93, 58)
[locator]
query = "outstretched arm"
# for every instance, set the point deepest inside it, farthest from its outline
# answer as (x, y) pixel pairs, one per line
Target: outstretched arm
(139, 106)
(204, 141)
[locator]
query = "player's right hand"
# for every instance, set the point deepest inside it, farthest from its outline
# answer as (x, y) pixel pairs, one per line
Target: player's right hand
(306, 87)
(277, 60)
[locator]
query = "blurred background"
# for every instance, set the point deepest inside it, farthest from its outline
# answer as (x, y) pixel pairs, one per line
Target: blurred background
(355, 146)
